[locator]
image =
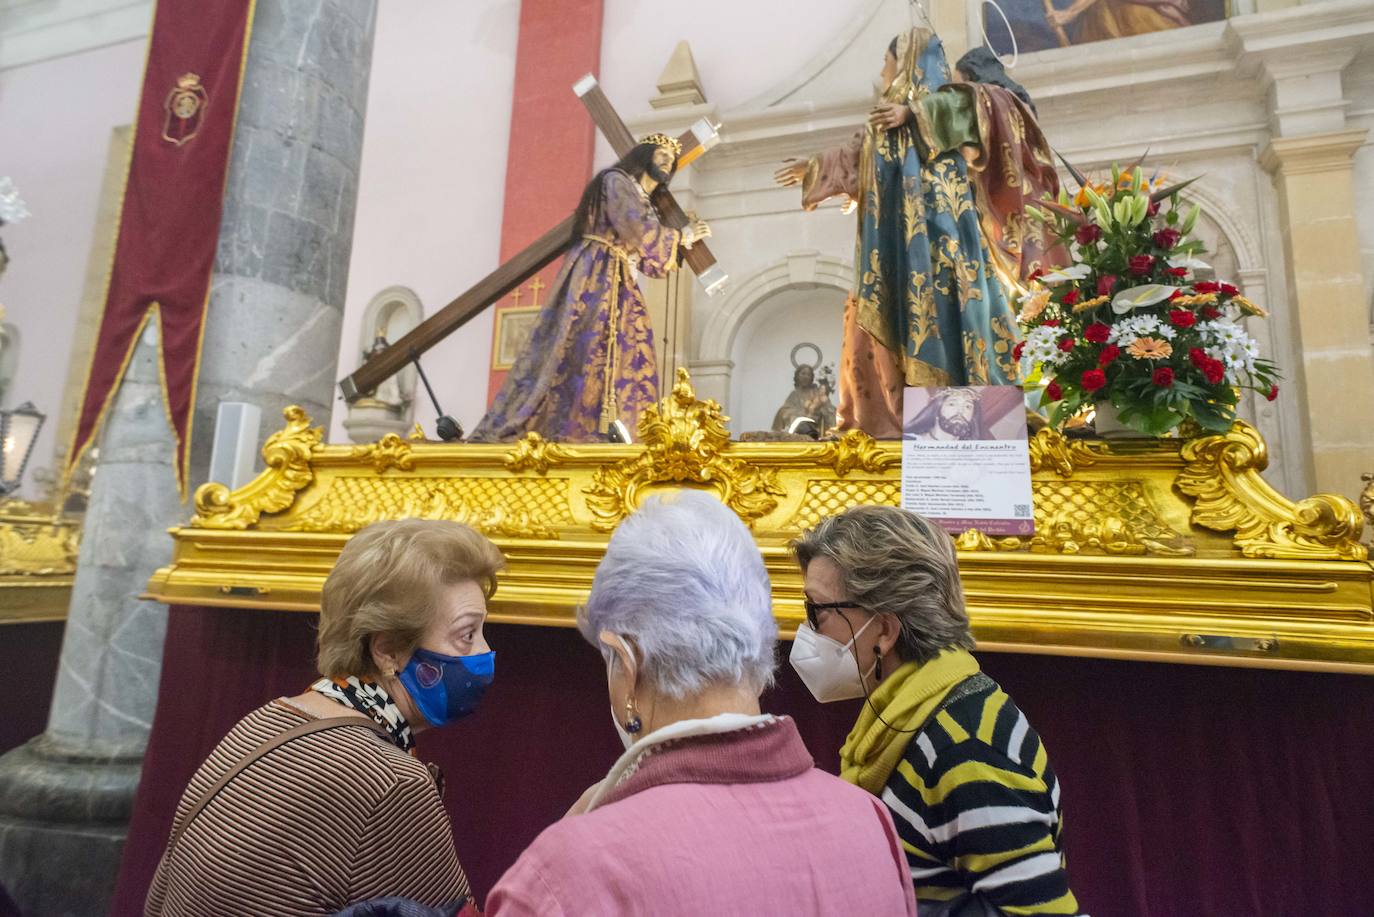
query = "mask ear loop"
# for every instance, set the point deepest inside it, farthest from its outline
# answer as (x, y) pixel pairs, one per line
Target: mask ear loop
(868, 699)
(633, 724)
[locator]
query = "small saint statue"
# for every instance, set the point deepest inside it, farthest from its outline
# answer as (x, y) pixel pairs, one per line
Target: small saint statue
(810, 398)
(388, 393)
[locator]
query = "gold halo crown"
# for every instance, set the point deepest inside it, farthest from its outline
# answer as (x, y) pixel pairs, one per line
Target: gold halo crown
(668, 143)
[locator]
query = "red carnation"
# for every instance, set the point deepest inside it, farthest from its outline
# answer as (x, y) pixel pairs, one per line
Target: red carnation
(1273, 392)
(1070, 297)
(1167, 238)
(1214, 370)
(1050, 323)
(1175, 295)
(1087, 234)
(1036, 274)
(1141, 265)
(1230, 289)
(1097, 333)
(1093, 380)
(1182, 318)
(1153, 209)
(1177, 272)
(1105, 284)
(1019, 349)
(1163, 377)
(1207, 286)
(1066, 344)
(1054, 392)
(1198, 357)
(1108, 354)
(1211, 313)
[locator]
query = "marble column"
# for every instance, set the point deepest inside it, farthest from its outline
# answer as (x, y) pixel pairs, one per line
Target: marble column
(271, 338)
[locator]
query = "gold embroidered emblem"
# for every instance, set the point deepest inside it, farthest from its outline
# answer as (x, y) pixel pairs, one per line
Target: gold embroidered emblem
(185, 107)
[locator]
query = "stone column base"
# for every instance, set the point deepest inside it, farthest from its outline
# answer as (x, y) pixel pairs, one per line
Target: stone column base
(64, 814)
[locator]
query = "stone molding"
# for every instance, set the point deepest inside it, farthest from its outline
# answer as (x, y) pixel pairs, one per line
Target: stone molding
(1314, 153)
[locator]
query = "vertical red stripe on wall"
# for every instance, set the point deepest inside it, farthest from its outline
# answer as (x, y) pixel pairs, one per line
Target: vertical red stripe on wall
(552, 137)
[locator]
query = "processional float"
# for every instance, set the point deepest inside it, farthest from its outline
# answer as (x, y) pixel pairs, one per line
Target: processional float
(1165, 549)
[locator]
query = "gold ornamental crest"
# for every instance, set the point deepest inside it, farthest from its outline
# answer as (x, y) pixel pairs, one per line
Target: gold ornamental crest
(185, 108)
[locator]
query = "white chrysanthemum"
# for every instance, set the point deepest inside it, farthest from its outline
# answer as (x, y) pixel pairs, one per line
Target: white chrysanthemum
(1042, 347)
(12, 208)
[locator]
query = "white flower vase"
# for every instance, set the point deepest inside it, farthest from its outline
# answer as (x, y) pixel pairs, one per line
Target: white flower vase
(1107, 422)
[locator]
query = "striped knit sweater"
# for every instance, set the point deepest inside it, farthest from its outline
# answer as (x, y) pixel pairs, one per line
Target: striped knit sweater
(329, 819)
(977, 806)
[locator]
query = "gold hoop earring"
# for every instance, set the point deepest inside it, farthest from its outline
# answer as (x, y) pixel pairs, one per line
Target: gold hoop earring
(633, 724)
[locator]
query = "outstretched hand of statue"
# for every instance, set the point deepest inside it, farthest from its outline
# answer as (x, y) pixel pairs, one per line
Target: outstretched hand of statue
(694, 232)
(791, 173)
(889, 116)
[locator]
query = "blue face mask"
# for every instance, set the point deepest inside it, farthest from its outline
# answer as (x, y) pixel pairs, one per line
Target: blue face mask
(447, 688)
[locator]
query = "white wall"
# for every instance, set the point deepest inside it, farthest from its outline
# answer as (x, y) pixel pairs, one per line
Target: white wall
(432, 183)
(55, 120)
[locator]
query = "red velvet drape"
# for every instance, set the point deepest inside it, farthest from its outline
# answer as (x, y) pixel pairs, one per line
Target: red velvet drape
(1187, 789)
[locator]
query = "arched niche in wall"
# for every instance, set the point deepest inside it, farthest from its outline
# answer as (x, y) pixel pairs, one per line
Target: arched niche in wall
(391, 314)
(743, 356)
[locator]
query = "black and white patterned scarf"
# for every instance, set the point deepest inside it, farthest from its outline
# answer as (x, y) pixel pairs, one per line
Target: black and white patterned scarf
(369, 698)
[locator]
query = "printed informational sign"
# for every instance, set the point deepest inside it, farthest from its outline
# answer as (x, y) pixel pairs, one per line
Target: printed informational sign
(965, 458)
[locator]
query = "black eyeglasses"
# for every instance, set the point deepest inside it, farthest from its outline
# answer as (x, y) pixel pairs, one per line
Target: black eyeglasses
(813, 610)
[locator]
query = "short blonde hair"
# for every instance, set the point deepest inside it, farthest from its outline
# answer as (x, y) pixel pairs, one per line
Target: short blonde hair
(387, 581)
(898, 562)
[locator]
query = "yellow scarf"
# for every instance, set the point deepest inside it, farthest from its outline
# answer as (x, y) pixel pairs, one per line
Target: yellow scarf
(906, 699)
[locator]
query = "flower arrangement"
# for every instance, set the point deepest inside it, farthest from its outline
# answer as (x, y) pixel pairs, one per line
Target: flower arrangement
(1125, 323)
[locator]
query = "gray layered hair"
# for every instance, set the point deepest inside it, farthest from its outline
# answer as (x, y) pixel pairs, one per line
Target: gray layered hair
(897, 562)
(683, 582)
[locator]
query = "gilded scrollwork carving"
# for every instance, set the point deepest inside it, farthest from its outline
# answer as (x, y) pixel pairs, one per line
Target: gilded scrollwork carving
(287, 453)
(33, 543)
(1052, 451)
(685, 441)
(1367, 504)
(388, 452)
(534, 453)
(855, 449)
(1222, 474)
(973, 540)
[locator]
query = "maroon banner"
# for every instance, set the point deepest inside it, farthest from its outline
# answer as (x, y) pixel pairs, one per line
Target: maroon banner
(169, 221)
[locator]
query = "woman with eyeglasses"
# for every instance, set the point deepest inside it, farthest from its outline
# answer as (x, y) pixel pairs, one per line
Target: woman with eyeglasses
(967, 780)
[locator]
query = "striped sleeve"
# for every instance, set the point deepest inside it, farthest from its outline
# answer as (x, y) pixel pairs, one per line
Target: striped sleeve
(976, 806)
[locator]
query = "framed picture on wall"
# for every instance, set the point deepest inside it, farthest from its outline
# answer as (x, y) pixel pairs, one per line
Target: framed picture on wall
(513, 329)
(1041, 24)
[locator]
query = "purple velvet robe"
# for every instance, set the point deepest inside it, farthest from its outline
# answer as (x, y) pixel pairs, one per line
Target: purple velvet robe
(558, 385)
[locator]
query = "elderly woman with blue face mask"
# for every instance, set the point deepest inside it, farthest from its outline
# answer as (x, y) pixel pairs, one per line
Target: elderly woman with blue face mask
(714, 808)
(316, 802)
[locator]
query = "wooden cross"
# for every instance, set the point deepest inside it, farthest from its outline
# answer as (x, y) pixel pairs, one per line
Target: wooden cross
(696, 141)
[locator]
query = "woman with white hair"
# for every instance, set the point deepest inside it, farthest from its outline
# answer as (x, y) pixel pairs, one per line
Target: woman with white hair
(713, 808)
(967, 779)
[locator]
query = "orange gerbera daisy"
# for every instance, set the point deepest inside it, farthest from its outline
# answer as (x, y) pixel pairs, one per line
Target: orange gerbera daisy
(1150, 349)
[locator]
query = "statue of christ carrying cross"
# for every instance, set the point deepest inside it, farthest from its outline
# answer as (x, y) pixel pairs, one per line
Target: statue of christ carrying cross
(590, 357)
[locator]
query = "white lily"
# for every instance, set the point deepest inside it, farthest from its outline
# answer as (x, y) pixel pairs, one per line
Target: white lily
(1191, 263)
(1076, 272)
(1149, 294)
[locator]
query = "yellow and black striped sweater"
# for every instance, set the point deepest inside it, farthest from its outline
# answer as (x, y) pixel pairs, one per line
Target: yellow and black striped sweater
(977, 806)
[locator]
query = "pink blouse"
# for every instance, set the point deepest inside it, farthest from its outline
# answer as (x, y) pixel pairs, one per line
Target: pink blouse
(740, 823)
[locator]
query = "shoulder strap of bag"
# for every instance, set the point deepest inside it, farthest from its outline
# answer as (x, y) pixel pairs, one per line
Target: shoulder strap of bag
(290, 735)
